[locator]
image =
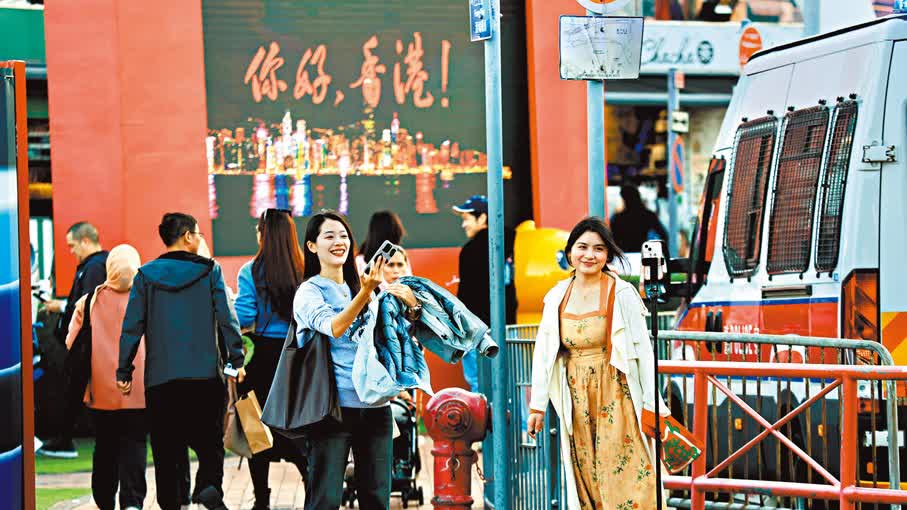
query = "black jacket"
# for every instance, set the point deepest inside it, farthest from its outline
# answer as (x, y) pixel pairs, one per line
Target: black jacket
(179, 302)
(474, 287)
(90, 273)
(631, 229)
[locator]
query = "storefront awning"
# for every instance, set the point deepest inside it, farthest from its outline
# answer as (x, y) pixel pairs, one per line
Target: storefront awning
(653, 91)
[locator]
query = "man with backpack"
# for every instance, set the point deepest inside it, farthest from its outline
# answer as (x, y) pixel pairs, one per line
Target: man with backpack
(192, 339)
(84, 243)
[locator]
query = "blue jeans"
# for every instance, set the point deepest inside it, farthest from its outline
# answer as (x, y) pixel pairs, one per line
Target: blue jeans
(471, 370)
(368, 431)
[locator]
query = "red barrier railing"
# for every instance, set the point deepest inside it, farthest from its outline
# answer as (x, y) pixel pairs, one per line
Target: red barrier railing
(846, 490)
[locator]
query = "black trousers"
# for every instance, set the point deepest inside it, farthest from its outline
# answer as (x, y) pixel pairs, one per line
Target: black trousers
(369, 433)
(186, 414)
(119, 458)
(259, 376)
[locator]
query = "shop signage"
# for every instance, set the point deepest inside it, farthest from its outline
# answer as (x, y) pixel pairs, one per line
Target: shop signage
(700, 48)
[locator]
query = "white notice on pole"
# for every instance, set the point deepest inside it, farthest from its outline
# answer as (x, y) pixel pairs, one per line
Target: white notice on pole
(600, 48)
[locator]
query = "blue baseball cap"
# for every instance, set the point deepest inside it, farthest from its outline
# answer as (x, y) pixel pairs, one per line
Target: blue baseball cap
(477, 205)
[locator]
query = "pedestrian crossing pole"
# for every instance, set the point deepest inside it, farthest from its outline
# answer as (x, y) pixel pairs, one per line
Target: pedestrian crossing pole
(595, 142)
(500, 377)
(673, 106)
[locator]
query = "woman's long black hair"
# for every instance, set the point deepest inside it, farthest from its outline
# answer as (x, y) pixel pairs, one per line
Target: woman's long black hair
(278, 266)
(383, 226)
(597, 225)
(313, 265)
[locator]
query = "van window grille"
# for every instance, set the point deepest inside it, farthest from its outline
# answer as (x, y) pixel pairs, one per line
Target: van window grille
(751, 161)
(837, 164)
(796, 184)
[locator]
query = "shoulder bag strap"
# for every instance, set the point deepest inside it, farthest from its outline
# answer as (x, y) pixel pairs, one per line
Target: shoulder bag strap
(86, 310)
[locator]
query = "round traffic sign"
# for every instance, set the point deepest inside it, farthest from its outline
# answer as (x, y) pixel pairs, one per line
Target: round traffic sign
(603, 6)
(750, 43)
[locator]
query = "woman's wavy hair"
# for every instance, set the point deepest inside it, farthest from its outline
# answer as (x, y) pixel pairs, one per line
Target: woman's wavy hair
(278, 266)
(313, 265)
(598, 226)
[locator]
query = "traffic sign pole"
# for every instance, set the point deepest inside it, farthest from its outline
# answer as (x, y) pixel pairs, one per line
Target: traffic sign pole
(499, 370)
(673, 105)
(595, 142)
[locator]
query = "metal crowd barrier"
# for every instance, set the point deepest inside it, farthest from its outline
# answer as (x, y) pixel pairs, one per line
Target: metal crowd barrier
(535, 474)
(843, 488)
(780, 349)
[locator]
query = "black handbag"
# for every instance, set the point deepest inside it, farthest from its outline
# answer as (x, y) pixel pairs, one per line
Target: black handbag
(77, 366)
(304, 391)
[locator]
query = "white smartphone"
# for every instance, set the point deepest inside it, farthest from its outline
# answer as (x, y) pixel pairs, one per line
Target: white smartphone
(387, 250)
(230, 371)
(653, 258)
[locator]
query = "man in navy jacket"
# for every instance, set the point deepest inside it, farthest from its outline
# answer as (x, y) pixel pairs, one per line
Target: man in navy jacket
(179, 304)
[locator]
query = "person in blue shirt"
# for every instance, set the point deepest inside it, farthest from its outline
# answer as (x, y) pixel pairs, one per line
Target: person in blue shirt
(267, 285)
(329, 300)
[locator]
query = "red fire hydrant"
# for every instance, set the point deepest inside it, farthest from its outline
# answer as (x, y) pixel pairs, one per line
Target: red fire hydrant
(455, 419)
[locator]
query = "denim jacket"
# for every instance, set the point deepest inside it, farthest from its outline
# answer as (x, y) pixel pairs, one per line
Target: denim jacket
(388, 359)
(446, 327)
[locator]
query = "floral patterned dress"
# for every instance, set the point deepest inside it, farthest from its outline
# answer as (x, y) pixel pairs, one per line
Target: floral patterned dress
(612, 467)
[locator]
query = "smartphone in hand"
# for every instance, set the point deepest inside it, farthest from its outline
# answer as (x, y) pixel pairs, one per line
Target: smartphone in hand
(387, 251)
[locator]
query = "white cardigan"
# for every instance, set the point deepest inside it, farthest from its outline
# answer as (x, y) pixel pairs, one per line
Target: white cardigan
(631, 353)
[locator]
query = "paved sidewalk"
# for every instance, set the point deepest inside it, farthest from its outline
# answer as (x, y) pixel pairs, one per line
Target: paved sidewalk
(286, 485)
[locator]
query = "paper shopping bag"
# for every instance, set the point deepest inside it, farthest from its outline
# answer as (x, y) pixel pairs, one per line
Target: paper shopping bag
(258, 435)
(234, 436)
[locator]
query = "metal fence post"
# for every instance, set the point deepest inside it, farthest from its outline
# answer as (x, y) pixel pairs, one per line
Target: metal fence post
(700, 429)
(849, 438)
(493, 119)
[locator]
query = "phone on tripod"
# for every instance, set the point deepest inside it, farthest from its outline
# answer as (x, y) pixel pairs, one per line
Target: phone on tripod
(654, 264)
(655, 278)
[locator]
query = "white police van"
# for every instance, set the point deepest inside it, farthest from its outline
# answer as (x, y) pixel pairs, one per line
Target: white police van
(803, 230)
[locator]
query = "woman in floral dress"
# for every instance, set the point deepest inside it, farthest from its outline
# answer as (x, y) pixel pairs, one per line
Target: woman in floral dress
(593, 362)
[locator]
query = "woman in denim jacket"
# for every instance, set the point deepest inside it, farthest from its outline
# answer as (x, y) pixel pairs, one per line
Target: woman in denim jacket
(328, 301)
(267, 286)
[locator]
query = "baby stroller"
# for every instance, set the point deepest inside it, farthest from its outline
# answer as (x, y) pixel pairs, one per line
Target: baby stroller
(406, 464)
